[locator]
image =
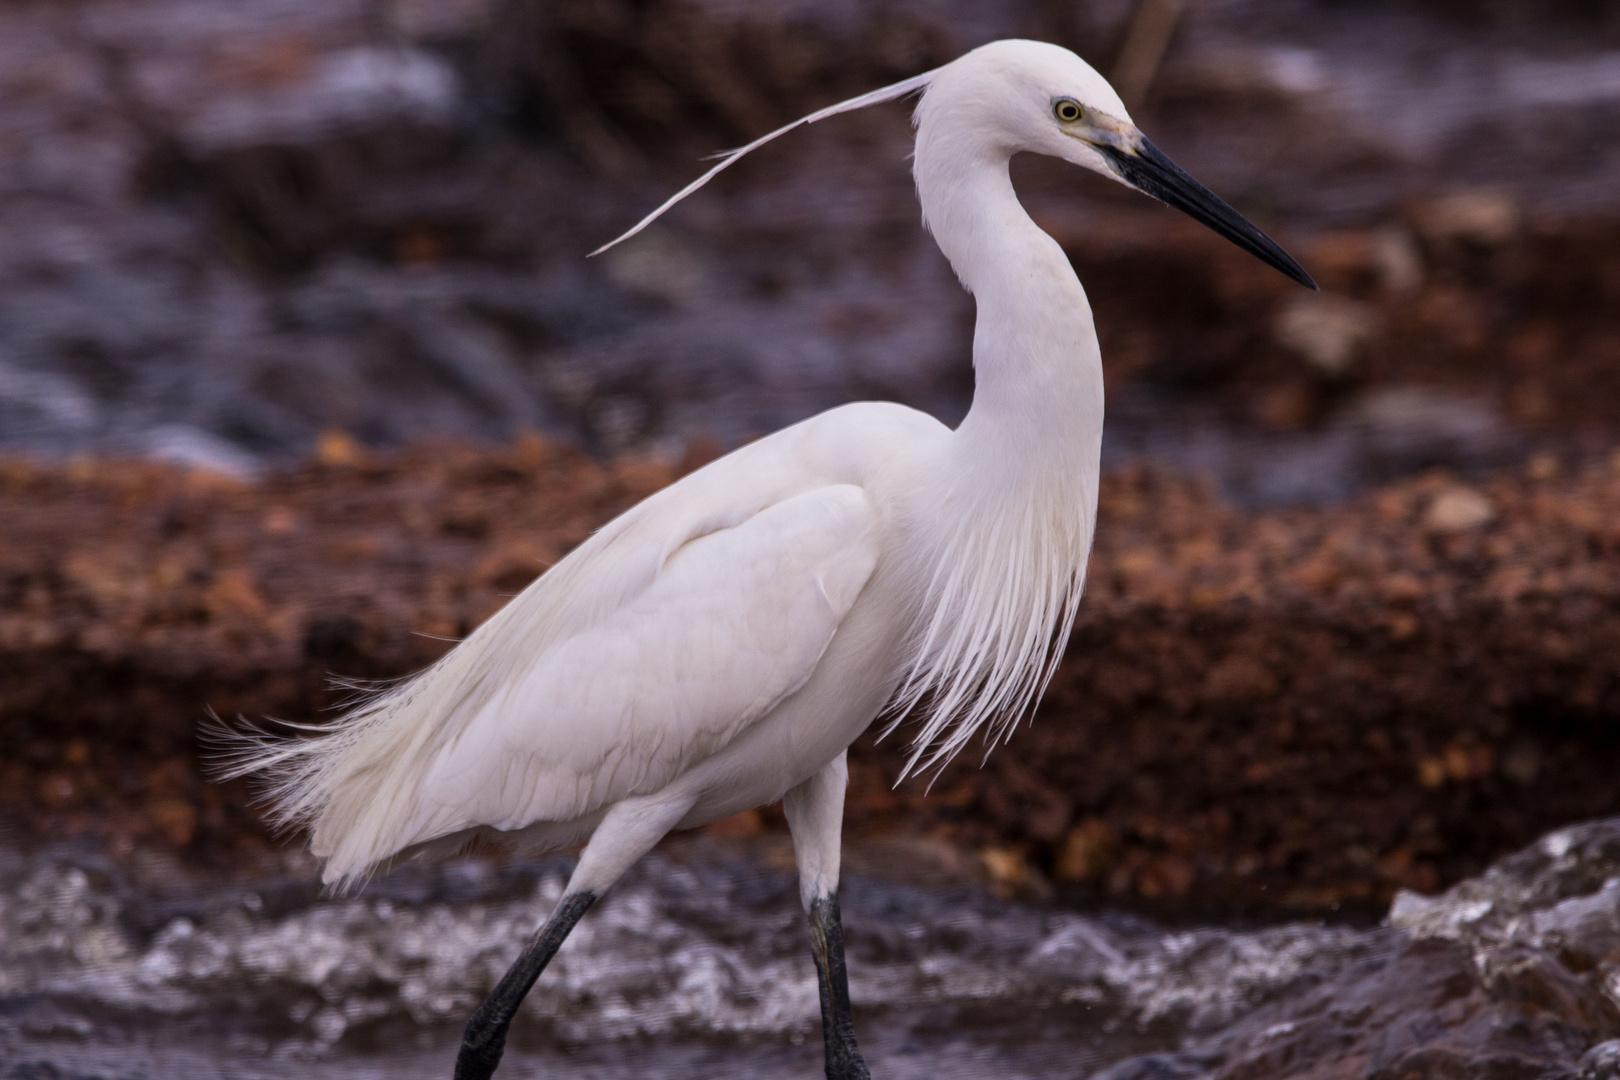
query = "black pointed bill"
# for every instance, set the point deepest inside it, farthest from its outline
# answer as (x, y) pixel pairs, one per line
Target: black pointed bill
(1144, 166)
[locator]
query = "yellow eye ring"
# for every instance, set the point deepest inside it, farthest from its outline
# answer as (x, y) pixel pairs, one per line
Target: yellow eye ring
(1067, 110)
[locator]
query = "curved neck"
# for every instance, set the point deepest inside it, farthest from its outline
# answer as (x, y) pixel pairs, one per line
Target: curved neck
(1038, 387)
(1007, 510)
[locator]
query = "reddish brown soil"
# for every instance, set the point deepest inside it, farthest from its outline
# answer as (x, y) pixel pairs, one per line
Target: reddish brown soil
(1296, 711)
(1310, 709)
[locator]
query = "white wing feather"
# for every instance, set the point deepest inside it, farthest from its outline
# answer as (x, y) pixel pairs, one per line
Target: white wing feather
(647, 649)
(735, 621)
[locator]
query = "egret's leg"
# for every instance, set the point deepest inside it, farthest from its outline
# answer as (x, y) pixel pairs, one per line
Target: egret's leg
(627, 833)
(815, 813)
(484, 1039)
(844, 1060)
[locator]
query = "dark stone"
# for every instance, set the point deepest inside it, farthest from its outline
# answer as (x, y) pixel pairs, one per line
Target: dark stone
(332, 637)
(1602, 1062)
(1155, 1067)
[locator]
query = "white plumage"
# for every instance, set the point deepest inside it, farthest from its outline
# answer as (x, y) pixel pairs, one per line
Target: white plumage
(720, 645)
(646, 652)
(705, 614)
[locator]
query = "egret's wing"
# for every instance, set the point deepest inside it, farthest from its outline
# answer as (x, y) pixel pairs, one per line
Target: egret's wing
(733, 621)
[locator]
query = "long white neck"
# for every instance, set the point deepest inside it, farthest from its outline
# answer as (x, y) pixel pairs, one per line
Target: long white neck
(1038, 380)
(1014, 500)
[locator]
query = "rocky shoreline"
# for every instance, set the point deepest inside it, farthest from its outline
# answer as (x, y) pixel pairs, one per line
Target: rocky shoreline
(696, 963)
(1260, 713)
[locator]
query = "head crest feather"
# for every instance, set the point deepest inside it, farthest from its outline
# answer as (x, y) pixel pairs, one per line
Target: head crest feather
(873, 97)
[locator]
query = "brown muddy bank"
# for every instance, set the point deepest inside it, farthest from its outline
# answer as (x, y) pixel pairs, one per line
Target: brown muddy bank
(1293, 711)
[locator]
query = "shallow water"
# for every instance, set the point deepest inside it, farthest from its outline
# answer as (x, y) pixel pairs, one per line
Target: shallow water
(689, 965)
(697, 964)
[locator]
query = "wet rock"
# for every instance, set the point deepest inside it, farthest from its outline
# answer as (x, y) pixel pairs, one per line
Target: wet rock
(1602, 1062)
(344, 91)
(295, 169)
(1542, 926)
(1157, 1067)
(1486, 218)
(1398, 261)
(1457, 509)
(1402, 427)
(1327, 332)
(658, 267)
(697, 951)
(1468, 989)
(1386, 258)
(1278, 74)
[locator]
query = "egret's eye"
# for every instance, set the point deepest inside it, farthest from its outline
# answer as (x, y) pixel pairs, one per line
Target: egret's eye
(1067, 110)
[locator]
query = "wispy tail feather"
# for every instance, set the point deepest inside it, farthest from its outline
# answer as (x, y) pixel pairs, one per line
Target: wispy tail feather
(352, 781)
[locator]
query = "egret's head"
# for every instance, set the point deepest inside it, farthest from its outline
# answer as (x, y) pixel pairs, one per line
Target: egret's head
(1013, 96)
(1016, 96)
(1009, 97)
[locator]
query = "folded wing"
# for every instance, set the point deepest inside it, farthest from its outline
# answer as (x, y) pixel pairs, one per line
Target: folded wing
(644, 652)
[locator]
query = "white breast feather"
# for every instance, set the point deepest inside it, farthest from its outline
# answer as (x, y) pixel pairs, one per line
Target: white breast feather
(1003, 585)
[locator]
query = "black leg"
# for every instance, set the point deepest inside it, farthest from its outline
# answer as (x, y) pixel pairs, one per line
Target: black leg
(837, 1026)
(484, 1040)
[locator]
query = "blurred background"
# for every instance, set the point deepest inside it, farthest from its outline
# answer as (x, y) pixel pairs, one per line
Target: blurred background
(304, 371)
(228, 227)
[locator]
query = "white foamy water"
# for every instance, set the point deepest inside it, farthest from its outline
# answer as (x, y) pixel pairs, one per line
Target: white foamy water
(681, 964)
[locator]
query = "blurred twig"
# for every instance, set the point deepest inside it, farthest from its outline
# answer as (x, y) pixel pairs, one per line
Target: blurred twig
(1145, 43)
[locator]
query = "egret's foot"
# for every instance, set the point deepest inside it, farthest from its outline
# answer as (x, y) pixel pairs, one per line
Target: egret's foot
(484, 1040)
(837, 1026)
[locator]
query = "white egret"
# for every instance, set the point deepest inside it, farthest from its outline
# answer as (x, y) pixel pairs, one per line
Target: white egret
(720, 645)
